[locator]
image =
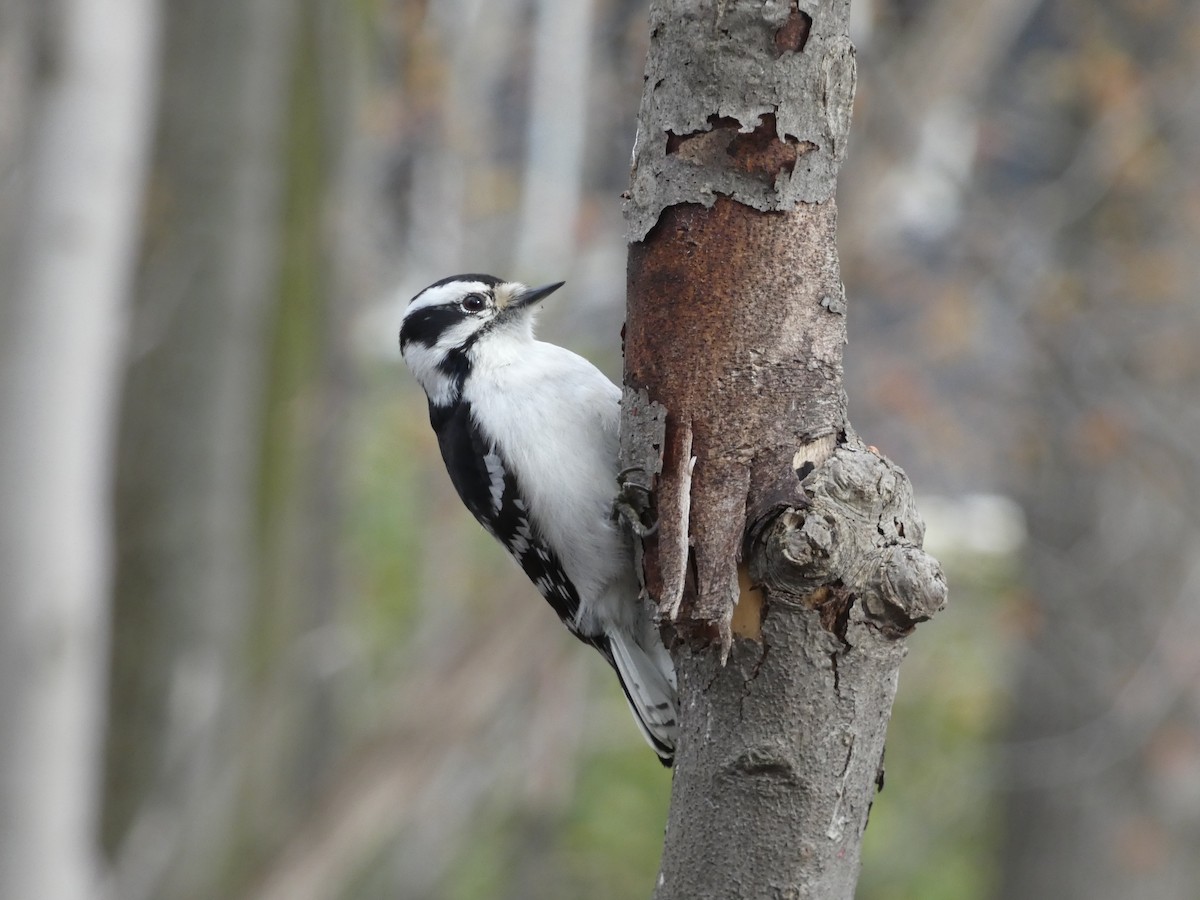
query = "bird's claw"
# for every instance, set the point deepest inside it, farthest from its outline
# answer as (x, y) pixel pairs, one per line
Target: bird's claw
(632, 504)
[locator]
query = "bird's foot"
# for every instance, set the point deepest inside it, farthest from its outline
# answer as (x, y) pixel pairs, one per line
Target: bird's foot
(632, 504)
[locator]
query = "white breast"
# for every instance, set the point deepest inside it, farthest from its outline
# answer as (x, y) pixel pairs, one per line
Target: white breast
(555, 417)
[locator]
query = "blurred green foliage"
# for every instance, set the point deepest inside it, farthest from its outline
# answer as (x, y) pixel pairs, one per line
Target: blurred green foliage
(934, 828)
(603, 843)
(389, 468)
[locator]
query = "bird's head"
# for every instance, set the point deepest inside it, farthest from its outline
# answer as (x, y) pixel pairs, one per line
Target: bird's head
(449, 324)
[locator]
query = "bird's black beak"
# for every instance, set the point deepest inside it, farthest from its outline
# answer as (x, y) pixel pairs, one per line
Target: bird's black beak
(530, 296)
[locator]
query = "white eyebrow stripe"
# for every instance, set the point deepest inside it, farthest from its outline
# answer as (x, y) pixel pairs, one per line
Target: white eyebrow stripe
(445, 293)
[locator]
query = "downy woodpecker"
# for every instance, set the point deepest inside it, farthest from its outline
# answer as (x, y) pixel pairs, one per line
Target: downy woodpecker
(529, 434)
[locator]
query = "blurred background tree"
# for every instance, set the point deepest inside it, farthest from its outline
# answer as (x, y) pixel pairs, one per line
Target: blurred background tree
(325, 681)
(77, 85)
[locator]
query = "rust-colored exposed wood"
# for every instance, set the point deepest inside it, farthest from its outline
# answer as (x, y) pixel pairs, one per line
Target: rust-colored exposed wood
(793, 34)
(699, 280)
(760, 151)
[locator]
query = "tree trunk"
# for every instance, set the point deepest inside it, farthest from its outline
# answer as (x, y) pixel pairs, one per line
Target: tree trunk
(77, 113)
(784, 548)
(190, 451)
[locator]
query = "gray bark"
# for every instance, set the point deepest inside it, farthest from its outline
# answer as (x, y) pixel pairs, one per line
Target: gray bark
(76, 122)
(784, 546)
(784, 66)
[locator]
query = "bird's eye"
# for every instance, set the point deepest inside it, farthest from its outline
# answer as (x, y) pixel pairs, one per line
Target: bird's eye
(473, 303)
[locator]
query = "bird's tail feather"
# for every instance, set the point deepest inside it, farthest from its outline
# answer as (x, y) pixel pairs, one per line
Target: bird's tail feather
(648, 679)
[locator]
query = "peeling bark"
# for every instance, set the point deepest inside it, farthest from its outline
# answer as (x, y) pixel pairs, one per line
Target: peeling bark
(788, 556)
(783, 72)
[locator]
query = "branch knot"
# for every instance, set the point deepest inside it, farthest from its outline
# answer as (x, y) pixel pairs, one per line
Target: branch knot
(858, 539)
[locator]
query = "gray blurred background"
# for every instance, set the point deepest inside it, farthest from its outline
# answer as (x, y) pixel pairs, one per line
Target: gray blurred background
(325, 681)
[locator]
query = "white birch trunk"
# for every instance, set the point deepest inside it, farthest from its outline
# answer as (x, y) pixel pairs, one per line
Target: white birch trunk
(552, 186)
(71, 188)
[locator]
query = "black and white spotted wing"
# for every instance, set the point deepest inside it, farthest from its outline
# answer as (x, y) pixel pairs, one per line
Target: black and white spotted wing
(489, 490)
